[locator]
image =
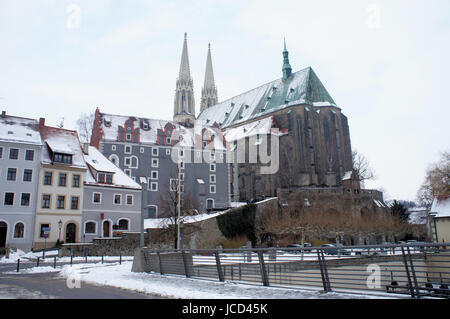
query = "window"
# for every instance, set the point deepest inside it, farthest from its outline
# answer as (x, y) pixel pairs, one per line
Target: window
(25, 199)
(154, 175)
(1, 152)
(90, 228)
(181, 176)
(127, 171)
(168, 140)
(43, 226)
(62, 179)
(117, 199)
(210, 203)
(155, 162)
(46, 201)
(76, 181)
(13, 153)
(109, 179)
(9, 199)
(127, 161)
(155, 151)
(130, 199)
(74, 202)
(101, 177)
(128, 149)
(62, 158)
(212, 189)
(212, 167)
(48, 178)
(212, 178)
(181, 152)
(168, 151)
(60, 202)
(27, 175)
(154, 186)
(212, 156)
(19, 230)
(12, 173)
(97, 198)
(123, 224)
(181, 165)
(113, 147)
(128, 137)
(142, 150)
(29, 155)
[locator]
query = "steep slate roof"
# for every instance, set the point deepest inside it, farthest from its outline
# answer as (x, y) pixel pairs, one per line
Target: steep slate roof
(62, 141)
(100, 163)
(303, 87)
(441, 206)
(19, 129)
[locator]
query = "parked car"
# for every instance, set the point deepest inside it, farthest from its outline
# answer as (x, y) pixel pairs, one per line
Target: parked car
(333, 250)
(300, 248)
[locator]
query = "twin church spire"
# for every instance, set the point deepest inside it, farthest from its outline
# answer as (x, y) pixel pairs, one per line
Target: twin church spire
(184, 105)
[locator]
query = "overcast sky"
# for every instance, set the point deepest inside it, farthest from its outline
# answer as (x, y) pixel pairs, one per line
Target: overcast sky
(385, 63)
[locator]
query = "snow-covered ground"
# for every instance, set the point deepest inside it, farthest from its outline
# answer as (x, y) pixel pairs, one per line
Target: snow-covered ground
(120, 275)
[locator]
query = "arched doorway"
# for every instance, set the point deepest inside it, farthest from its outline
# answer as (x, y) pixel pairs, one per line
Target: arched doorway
(3, 233)
(106, 228)
(71, 233)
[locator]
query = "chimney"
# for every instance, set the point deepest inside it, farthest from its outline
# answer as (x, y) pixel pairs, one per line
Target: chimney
(85, 148)
(3, 114)
(41, 122)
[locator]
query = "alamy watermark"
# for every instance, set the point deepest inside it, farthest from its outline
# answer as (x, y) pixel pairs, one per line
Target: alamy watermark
(197, 144)
(73, 20)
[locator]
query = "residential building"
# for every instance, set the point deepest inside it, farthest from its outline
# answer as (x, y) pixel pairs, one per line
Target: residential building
(20, 154)
(111, 199)
(60, 188)
(440, 218)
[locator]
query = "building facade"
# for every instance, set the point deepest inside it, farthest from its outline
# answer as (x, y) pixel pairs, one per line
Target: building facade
(20, 153)
(111, 199)
(60, 188)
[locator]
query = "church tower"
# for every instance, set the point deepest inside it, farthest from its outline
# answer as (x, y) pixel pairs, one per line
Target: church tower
(209, 91)
(287, 69)
(184, 106)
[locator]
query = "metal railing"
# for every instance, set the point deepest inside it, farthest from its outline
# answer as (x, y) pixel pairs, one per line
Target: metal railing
(419, 269)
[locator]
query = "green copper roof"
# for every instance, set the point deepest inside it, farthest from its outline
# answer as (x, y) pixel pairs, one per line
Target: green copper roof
(302, 87)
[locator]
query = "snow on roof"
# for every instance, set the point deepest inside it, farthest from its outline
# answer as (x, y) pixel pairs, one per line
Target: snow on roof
(262, 127)
(99, 162)
(62, 141)
(347, 175)
(418, 215)
(303, 87)
(441, 206)
(148, 129)
(18, 129)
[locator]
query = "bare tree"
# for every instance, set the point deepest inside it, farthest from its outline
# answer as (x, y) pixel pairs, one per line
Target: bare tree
(169, 200)
(85, 124)
(361, 167)
(437, 181)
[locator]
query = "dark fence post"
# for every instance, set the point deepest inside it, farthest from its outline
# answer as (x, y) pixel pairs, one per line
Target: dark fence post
(54, 262)
(323, 271)
(18, 264)
(262, 265)
(160, 263)
(405, 262)
(413, 271)
(120, 257)
(102, 258)
(186, 268)
(219, 267)
(37, 265)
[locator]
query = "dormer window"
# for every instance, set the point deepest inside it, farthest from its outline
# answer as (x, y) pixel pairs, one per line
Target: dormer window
(62, 158)
(104, 178)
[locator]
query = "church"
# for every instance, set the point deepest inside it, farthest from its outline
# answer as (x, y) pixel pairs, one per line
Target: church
(295, 112)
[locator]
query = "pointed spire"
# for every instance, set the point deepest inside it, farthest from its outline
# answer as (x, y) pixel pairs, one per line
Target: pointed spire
(184, 105)
(209, 75)
(287, 69)
(209, 91)
(185, 73)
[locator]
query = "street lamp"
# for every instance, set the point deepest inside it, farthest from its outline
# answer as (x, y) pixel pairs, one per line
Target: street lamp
(143, 182)
(59, 227)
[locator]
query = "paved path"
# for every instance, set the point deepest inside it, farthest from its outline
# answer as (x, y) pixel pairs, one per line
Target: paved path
(50, 286)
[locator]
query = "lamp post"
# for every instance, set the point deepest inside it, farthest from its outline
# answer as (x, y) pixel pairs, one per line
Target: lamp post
(143, 182)
(179, 214)
(59, 227)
